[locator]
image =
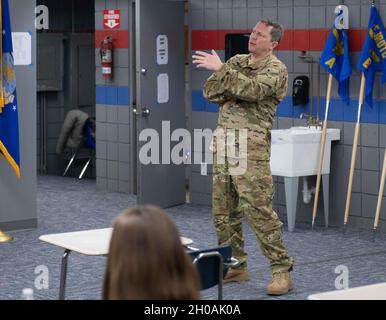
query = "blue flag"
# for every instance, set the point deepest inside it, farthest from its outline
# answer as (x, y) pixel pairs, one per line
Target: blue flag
(9, 127)
(335, 60)
(373, 55)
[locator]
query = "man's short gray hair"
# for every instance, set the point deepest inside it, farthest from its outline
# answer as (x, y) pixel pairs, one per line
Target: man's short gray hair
(277, 29)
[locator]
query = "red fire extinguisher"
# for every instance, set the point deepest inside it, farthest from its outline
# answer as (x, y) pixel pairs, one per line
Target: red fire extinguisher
(106, 52)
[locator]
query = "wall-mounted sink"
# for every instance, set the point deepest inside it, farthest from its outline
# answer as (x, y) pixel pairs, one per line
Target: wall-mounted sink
(295, 151)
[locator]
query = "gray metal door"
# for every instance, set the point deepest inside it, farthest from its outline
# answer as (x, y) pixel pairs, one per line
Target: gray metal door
(160, 93)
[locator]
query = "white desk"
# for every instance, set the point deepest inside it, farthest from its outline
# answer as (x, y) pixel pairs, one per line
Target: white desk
(371, 292)
(89, 242)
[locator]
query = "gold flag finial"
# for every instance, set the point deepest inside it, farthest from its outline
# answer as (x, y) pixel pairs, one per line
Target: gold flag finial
(4, 237)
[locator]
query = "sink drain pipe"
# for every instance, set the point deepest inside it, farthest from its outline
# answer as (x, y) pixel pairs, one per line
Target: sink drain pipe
(307, 192)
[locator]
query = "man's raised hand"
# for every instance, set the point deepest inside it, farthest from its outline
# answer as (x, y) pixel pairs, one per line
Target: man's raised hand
(206, 60)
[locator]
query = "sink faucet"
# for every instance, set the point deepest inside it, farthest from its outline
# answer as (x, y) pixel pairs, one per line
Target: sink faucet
(311, 120)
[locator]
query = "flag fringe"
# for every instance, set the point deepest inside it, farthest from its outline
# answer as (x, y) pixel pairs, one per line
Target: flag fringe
(9, 158)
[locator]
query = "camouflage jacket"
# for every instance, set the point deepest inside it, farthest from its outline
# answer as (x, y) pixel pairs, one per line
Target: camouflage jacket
(248, 93)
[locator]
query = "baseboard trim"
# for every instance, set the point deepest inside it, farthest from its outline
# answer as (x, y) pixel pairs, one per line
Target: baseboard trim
(19, 225)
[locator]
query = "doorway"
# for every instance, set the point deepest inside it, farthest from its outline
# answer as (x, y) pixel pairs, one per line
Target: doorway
(65, 81)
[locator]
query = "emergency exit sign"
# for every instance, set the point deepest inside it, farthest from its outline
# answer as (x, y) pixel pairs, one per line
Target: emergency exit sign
(111, 19)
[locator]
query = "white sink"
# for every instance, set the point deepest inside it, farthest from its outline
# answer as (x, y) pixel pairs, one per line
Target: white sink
(295, 151)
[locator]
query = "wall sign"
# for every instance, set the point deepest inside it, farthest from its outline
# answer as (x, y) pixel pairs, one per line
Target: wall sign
(22, 48)
(162, 49)
(163, 88)
(111, 19)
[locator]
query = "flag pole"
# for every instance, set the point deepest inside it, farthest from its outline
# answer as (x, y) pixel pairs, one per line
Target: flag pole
(321, 150)
(380, 194)
(3, 236)
(354, 152)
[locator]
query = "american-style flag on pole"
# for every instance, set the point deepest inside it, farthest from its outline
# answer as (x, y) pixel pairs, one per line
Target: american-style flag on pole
(9, 124)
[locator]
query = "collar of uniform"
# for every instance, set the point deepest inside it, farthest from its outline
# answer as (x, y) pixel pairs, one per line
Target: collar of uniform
(257, 64)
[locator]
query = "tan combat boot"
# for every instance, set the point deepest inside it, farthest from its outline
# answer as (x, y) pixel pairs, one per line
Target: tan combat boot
(281, 283)
(236, 275)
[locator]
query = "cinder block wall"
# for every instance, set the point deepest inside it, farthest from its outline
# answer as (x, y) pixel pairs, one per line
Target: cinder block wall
(112, 103)
(307, 24)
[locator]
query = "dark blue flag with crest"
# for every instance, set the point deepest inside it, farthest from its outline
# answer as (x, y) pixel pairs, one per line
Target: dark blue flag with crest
(373, 55)
(9, 124)
(336, 61)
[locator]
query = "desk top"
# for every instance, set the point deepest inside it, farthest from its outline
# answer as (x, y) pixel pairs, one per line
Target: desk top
(370, 292)
(89, 242)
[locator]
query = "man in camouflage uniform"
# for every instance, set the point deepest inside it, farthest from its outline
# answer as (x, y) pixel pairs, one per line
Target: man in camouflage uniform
(248, 89)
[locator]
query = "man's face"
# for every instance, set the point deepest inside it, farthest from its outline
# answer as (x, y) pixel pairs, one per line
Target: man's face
(260, 39)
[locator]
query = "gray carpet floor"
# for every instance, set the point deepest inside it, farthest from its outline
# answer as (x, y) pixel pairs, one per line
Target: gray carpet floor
(67, 204)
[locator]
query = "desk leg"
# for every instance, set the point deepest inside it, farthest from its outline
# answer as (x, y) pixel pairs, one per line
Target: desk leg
(326, 195)
(63, 274)
(291, 198)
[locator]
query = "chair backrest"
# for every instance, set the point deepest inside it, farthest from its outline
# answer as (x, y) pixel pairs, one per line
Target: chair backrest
(89, 140)
(208, 264)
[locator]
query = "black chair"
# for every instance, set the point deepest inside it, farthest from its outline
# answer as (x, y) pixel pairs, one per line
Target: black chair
(89, 144)
(212, 265)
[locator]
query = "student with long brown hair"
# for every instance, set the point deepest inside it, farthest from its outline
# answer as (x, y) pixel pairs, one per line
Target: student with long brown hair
(147, 259)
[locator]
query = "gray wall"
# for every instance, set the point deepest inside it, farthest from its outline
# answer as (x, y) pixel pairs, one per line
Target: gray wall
(212, 15)
(18, 197)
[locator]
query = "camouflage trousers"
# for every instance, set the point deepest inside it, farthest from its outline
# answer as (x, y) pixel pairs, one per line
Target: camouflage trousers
(250, 194)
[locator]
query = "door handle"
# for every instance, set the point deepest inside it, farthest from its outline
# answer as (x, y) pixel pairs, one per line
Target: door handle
(135, 111)
(145, 112)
